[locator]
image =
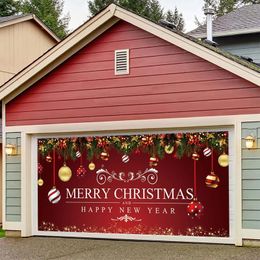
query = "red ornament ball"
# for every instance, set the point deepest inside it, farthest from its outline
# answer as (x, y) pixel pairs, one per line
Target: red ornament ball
(195, 156)
(212, 180)
(195, 209)
(207, 152)
(54, 195)
(153, 161)
(81, 171)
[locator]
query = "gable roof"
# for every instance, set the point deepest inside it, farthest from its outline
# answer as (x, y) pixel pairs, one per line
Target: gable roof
(10, 18)
(14, 19)
(244, 20)
(99, 24)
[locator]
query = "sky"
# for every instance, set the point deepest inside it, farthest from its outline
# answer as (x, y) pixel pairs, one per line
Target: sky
(78, 10)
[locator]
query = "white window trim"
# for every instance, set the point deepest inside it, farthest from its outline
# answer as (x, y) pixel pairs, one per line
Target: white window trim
(127, 71)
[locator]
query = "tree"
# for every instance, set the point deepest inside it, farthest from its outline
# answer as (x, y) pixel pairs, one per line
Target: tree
(8, 7)
(176, 18)
(222, 7)
(97, 5)
(50, 12)
(148, 8)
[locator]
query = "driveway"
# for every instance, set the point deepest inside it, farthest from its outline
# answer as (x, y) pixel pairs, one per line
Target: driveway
(67, 248)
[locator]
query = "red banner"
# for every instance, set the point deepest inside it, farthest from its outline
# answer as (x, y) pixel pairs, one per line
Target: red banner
(133, 193)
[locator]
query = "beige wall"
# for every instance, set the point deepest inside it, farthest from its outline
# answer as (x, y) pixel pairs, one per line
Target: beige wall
(20, 44)
(1, 184)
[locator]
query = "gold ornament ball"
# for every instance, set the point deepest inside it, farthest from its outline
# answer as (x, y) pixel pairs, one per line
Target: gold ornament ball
(92, 166)
(168, 149)
(65, 173)
(223, 160)
(40, 182)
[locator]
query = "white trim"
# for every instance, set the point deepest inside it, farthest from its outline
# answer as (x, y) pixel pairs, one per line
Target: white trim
(193, 122)
(238, 184)
(189, 122)
(25, 185)
(16, 20)
(124, 72)
(12, 225)
(186, 239)
(34, 188)
(226, 33)
(46, 28)
(3, 197)
(251, 234)
(43, 64)
(232, 216)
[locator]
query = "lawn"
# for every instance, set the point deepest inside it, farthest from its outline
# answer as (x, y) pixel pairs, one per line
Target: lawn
(2, 233)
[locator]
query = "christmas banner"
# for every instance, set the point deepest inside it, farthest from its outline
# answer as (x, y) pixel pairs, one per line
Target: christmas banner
(161, 184)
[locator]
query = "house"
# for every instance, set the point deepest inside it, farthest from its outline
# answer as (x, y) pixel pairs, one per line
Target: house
(23, 38)
(129, 130)
(237, 32)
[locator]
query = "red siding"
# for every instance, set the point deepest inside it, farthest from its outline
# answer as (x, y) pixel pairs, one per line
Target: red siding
(164, 81)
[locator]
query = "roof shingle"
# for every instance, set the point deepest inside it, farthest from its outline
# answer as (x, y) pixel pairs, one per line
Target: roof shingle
(243, 19)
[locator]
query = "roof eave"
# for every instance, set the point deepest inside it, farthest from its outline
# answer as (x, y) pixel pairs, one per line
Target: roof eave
(227, 33)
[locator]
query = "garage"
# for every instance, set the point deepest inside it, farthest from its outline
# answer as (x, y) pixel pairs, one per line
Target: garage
(129, 130)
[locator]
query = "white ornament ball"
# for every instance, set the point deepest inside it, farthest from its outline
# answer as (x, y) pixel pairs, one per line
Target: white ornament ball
(54, 195)
(78, 154)
(207, 152)
(125, 158)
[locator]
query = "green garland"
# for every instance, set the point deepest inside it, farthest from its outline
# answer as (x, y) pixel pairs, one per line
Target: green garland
(184, 144)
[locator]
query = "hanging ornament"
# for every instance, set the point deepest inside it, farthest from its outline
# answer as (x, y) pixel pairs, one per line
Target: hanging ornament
(81, 171)
(169, 149)
(104, 156)
(78, 154)
(92, 166)
(195, 156)
(48, 158)
(207, 152)
(195, 208)
(223, 160)
(144, 140)
(40, 168)
(212, 180)
(153, 161)
(65, 173)
(40, 182)
(54, 195)
(125, 158)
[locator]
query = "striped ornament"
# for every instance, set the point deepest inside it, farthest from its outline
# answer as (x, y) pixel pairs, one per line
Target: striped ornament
(125, 158)
(207, 152)
(78, 154)
(54, 195)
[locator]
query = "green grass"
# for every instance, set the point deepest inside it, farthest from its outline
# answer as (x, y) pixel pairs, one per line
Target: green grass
(2, 233)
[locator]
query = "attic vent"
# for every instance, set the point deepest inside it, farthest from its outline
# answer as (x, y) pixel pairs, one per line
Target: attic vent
(122, 62)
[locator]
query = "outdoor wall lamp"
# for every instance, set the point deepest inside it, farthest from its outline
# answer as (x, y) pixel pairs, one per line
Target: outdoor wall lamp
(10, 149)
(250, 142)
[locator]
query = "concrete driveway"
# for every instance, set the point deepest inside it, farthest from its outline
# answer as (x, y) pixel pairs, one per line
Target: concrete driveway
(67, 248)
